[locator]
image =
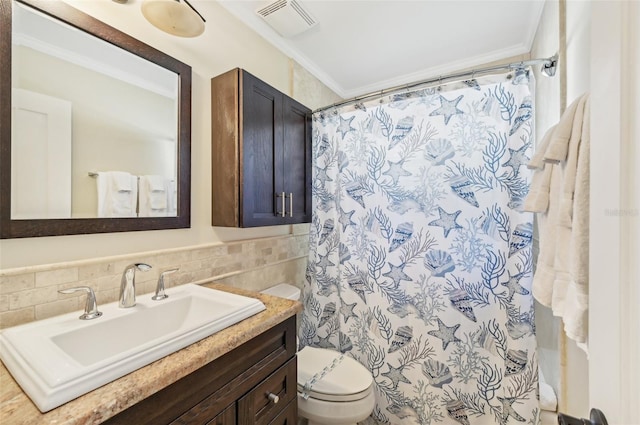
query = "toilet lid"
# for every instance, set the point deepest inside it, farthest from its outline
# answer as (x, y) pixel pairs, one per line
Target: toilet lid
(328, 375)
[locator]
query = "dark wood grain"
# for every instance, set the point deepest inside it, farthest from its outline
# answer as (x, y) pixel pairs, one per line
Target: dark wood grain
(225, 149)
(288, 416)
(203, 395)
(262, 143)
(272, 153)
(228, 416)
(256, 408)
(297, 158)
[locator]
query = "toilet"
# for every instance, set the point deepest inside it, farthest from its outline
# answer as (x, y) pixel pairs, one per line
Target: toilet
(333, 389)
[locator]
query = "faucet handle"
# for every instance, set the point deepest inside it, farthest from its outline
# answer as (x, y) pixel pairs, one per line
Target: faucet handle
(160, 295)
(91, 307)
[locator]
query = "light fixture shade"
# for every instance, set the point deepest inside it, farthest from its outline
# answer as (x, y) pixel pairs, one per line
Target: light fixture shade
(174, 17)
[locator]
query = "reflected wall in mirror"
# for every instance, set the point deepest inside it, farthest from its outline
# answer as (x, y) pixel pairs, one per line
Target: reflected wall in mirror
(95, 127)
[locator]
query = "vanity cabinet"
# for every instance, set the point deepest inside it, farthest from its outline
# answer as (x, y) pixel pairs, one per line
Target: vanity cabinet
(253, 384)
(261, 154)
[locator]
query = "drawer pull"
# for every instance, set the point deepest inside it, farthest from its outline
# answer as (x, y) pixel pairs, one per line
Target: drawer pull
(273, 398)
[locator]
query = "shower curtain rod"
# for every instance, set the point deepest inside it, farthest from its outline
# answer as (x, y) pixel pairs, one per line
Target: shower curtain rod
(548, 68)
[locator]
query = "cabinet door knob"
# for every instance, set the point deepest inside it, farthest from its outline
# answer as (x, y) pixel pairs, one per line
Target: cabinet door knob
(284, 206)
(273, 398)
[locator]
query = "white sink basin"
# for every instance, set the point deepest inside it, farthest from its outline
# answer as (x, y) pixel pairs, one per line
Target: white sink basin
(58, 359)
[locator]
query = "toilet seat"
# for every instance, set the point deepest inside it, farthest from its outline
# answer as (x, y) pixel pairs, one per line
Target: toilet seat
(328, 375)
(336, 397)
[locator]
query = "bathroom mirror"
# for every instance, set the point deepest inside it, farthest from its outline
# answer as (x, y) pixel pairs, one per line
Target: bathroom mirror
(80, 98)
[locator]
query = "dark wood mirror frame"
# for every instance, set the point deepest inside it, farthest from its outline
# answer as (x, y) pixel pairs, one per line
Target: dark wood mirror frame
(55, 227)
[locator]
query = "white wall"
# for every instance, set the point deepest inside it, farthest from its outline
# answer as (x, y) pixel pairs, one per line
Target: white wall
(226, 44)
(603, 58)
(547, 97)
(614, 332)
(574, 393)
(561, 361)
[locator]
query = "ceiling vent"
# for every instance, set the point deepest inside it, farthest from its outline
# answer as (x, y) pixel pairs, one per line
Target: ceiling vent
(287, 17)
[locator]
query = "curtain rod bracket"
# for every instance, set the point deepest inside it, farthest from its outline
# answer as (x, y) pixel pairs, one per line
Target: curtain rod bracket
(550, 66)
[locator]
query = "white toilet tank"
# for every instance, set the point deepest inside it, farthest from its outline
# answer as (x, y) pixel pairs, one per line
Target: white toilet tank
(284, 290)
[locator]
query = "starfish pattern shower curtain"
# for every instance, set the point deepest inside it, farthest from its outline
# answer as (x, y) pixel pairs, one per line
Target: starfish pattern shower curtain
(420, 259)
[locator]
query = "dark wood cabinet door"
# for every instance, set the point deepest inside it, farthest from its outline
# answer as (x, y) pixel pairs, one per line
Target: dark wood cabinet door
(267, 399)
(289, 416)
(296, 164)
(261, 152)
(211, 393)
(226, 417)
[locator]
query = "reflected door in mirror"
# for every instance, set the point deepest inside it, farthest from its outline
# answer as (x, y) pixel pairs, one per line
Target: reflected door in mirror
(41, 148)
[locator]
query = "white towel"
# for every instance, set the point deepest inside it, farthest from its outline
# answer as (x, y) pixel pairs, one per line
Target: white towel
(558, 149)
(156, 183)
(117, 194)
(560, 194)
(122, 181)
(575, 315)
(538, 198)
(172, 197)
(154, 201)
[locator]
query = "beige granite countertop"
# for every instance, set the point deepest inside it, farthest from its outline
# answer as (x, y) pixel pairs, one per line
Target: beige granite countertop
(102, 403)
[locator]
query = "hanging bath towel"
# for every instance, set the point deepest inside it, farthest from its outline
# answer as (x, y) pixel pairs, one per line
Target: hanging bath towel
(561, 278)
(154, 196)
(117, 194)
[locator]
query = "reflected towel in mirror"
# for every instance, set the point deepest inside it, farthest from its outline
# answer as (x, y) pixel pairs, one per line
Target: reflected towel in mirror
(117, 194)
(153, 198)
(172, 197)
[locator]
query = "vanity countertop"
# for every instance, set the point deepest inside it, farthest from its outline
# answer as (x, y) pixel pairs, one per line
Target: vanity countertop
(104, 402)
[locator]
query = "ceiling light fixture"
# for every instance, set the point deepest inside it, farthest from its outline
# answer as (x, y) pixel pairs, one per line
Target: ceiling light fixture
(176, 17)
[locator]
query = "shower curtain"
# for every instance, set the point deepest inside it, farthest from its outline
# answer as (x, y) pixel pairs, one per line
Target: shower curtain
(420, 260)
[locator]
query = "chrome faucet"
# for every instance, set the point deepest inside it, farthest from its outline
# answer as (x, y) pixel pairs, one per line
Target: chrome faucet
(160, 295)
(128, 284)
(91, 307)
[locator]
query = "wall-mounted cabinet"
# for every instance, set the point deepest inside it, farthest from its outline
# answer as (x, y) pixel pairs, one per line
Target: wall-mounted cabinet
(261, 154)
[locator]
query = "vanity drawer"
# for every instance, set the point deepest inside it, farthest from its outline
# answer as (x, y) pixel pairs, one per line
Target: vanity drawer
(258, 406)
(288, 416)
